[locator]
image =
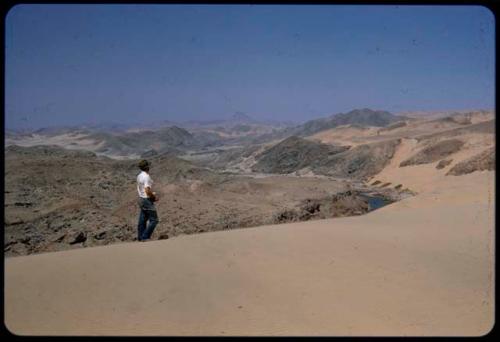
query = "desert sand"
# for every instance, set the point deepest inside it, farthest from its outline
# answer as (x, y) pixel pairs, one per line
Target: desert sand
(420, 266)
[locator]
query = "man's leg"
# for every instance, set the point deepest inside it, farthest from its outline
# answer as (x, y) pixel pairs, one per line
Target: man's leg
(141, 226)
(152, 217)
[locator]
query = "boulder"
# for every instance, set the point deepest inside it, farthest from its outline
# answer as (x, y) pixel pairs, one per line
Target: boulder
(80, 237)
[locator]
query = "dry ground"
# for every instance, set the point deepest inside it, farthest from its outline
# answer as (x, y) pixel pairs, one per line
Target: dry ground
(421, 266)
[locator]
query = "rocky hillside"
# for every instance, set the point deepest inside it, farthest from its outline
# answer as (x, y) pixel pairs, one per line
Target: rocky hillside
(234, 159)
(482, 161)
(434, 152)
(361, 117)
(57, 199)
(360, 162)
(293, 154)
(163, 140)
(297, 154)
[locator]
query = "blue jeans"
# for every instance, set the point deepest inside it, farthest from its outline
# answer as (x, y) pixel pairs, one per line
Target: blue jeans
(148, 213)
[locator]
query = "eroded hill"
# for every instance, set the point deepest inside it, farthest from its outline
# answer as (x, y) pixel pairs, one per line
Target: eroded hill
(58, 199)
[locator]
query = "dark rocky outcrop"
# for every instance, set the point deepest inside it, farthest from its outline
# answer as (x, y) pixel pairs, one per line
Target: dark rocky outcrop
(348, 203)
(482, 161)
(443, 163)
(293, 154)
(360, 162)
(434, 152)
(80, 237)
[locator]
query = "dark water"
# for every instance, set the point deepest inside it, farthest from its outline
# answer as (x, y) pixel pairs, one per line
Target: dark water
(376, 202)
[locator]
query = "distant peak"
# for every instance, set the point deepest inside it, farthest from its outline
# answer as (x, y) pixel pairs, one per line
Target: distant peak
(241, 117)
(366, 110)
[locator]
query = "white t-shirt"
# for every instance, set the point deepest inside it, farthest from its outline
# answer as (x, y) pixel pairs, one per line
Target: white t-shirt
(143, 181)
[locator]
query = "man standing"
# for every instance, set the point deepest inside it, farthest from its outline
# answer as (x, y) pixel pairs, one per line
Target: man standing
(146, 203)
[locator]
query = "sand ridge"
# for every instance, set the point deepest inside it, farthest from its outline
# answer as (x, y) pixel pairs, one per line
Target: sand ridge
(425, 177)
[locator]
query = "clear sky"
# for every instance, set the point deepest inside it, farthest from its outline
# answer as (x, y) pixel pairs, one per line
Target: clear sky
(72, 64)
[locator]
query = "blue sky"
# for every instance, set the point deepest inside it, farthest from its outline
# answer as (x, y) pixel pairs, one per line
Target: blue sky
(72, 64)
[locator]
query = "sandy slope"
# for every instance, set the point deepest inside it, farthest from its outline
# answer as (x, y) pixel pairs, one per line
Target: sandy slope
(425, 177)
(422, 266)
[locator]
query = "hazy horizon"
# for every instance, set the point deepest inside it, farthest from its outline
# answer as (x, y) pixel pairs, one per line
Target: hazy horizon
(69, 65)
(222, 119)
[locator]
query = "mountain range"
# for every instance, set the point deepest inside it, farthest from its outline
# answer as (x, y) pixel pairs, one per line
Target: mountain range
(239, 130)
(361, 117)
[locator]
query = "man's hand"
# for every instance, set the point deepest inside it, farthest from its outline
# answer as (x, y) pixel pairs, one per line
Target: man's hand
(155, 197)
(151, 195)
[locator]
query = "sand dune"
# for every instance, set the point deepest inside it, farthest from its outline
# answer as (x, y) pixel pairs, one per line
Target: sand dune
(421, 266)
(425, 177)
